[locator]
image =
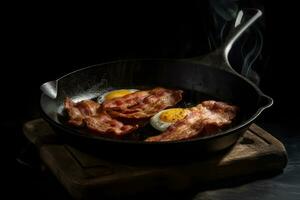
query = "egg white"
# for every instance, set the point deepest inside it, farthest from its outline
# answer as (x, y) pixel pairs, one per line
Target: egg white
(159, 124)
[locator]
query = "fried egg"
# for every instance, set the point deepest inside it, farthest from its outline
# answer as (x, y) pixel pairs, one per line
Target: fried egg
(165, 118)
(115, 94)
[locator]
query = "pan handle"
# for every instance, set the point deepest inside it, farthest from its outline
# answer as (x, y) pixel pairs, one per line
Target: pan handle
(219, 57)
(50, 89)
(238, 29)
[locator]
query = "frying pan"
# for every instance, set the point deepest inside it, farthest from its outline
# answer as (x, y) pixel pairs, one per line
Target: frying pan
(210, 76)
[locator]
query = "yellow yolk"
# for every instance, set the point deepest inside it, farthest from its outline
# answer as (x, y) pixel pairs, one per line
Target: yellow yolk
(173, 115)
(117, 93)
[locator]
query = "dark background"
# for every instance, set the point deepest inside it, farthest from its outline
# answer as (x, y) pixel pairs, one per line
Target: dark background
(54, 39)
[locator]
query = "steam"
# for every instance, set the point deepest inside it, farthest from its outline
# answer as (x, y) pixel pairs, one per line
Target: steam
(250, 55)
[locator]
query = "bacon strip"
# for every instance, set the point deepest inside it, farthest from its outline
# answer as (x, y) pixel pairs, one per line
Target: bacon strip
(79, 111)
(104, 124)
(207, 118)
(142, 104)
(88, 113)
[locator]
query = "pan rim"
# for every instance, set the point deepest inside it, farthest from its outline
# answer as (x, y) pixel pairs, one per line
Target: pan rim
(189, 61)
(192, 140)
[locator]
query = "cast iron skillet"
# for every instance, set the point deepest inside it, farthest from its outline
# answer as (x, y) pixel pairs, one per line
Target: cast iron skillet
(205, 78)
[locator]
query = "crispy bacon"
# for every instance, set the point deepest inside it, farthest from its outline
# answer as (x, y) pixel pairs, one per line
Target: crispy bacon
(78, 111)
(88, 113)
(142, 104)
(104, 124)
(207, 118)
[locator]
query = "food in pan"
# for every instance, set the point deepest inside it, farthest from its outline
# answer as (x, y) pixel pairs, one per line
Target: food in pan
(207, 118)
(88, 113)
(120, 112)
(142, 104)
(115, 94)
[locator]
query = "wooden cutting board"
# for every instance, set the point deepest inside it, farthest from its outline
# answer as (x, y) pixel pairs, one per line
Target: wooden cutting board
(86, 176)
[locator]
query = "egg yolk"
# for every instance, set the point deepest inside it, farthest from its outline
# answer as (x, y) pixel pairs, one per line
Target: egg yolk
(172, 115)
(117, 93)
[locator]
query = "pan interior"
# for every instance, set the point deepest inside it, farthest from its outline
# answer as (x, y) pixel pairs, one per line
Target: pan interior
(199, 83)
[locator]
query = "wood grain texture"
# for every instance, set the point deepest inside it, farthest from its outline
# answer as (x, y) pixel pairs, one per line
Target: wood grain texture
(86, 176)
